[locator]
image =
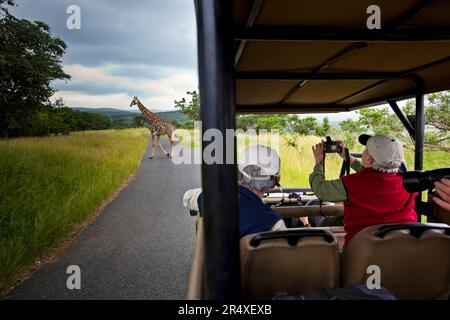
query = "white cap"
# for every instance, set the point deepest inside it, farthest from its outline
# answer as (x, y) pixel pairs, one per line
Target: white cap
(262, 156)
(387, 152)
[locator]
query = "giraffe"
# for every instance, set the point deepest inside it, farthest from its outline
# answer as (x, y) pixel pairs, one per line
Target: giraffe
(157, 128)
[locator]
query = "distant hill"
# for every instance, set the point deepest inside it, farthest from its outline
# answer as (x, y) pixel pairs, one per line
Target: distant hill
(173, 116)
(127, 116)
(334, 118)
(107, 111)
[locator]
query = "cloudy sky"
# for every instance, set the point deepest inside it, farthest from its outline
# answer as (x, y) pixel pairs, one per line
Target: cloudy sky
(124, 48)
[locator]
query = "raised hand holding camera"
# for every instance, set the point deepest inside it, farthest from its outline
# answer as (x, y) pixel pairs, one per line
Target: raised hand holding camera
(318, 151)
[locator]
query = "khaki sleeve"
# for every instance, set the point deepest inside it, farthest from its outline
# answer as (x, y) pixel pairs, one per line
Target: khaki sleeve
(331, 190)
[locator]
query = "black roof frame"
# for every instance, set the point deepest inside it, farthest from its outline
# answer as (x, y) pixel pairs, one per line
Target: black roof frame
(217, 62)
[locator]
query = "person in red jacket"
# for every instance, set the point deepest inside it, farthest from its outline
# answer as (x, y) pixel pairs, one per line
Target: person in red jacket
(375, 194)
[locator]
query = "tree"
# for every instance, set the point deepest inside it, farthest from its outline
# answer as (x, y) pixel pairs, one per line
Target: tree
(30, 59)
(305, 126)
(292, 140)
(351, 130)
(192, 108)
(138, 121)
(266, 122)
(437, 113)
(4, 3)
(271, 122)
(437, 118)
(380, 121)
(324, 129)
(119, 123)
(246, 122)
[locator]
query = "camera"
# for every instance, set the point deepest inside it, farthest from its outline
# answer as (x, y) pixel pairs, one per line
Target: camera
(416, 181)
(331, 146)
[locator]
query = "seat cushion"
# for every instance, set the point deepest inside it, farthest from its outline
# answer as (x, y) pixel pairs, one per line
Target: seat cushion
(410, 267)
(275, 266)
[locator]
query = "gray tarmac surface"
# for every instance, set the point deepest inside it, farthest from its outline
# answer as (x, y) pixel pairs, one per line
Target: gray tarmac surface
(139, 247)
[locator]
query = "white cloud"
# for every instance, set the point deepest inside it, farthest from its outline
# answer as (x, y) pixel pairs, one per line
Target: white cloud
(81, 99)
(80, 73)
(165, 91)
(159, 93)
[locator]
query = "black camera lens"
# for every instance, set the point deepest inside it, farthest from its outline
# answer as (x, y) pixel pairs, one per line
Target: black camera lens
(416, 181)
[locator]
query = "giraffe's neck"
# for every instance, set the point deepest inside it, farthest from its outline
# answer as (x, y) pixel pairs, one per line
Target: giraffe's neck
(148, 115)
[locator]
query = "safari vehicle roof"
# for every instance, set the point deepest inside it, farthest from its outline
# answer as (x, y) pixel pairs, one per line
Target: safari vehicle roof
(304, 56)
(319, 56)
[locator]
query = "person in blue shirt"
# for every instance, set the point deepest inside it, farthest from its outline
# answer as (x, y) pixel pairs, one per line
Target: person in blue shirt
(259, 171)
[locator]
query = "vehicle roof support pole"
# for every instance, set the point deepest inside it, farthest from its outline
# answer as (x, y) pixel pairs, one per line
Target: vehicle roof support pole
(419, 137)
(404, 120)
(220, 194)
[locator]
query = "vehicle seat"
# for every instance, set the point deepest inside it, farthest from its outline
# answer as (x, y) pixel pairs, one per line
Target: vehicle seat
(295, 261)
(414, 259)
(437, 213)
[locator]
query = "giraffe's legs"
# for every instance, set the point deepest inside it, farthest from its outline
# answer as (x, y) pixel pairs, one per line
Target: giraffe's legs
(170, 145)
(152, 153)
(161, 147)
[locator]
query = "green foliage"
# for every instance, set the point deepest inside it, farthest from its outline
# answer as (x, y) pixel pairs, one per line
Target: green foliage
(119, 123)
(173, 116)
(323, 130)
(271, 122)
(192, 108)
(291, 140)
(56, 118)
(188, 125)
(437, 117)
(4, 3)
(380, 121)
(7, 2)
(51, 185)
(246, 122)
(437, 112)
(138, 121)
(305, 126)
(290, 124)
(371, 120)
(121, 119)
(29, 62)
(263, 122)
(90, 121)
(351, 129)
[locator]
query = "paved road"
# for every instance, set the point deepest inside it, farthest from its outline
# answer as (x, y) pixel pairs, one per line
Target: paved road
(140, 247)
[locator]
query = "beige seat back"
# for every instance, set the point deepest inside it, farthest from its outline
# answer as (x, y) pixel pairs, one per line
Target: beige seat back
(414, 259)
(295, 261)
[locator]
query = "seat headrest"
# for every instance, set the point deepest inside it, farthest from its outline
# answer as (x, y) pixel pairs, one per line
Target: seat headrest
(295, 261)
(414, 259)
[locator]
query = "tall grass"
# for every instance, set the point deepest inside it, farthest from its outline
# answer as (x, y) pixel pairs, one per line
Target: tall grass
(297, 160)
(51, 185)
